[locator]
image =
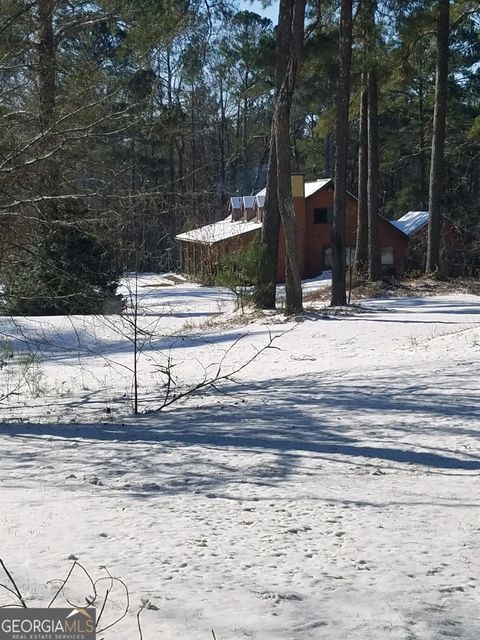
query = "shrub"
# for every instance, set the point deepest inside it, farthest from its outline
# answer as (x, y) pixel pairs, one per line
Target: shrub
(238, 272)
(68, 271)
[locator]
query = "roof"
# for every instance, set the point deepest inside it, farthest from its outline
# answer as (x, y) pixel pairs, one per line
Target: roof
(310, 187)
(411, 222)
(222, 230)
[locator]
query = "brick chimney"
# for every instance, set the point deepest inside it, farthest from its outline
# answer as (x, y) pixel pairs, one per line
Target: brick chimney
(298, 185)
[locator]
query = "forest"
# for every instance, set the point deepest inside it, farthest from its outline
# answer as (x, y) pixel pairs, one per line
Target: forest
(124, 123)
(247, 456)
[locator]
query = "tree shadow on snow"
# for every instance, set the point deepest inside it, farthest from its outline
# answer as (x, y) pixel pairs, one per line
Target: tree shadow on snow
(264, 432)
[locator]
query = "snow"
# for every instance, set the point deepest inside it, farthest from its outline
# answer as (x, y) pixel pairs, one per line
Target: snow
(330, 491)
(260, 201)
(310, 187)
(248, 202)
(411, 222)
(236, 202)
(221, 230)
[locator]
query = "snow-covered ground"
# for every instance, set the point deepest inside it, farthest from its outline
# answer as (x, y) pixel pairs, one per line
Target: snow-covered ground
(331, 491)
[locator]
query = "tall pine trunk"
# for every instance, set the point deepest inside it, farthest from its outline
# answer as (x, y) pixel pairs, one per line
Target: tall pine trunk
(438, 139)
(47, 89)
(193, 141)
(293, 276)
(171, 217)
(264, 294)
(361, 251)
(374, 260)
(222, 143)
(339, 296)
(422, 158)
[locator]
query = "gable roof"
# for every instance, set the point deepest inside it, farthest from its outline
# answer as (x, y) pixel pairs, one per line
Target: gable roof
(260, 200)
(248, 202)
(310, 187)
(411, 222)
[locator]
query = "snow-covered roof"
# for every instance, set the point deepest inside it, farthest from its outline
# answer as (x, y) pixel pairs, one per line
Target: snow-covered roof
(310, 187)
(313, 187)
(236, 202)
(260, 201)
(411, 222)
(248, 202)
(218, 231)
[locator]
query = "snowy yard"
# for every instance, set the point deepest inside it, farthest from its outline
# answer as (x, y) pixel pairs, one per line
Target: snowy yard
(332, 491)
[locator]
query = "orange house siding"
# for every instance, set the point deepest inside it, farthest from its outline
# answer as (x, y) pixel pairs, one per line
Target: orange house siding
(314, 238)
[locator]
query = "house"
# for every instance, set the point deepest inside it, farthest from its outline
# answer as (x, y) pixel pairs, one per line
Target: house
(202, 249)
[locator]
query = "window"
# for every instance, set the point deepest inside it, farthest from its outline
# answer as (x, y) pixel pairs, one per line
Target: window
(322, 216)
(388, 265)
(387, 256)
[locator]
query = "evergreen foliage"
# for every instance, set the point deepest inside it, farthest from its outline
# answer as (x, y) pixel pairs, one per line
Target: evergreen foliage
(158, 112)
(239, 272)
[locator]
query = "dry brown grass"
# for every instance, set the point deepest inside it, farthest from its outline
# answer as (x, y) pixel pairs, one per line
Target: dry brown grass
(408, 287)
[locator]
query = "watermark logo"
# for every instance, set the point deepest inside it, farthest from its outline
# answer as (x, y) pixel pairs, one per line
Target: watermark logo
(47, 624)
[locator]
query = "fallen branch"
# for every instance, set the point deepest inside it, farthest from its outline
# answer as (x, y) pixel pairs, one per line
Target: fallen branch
(90, 601)
(15, 591)
(139, 625)
(219, 376)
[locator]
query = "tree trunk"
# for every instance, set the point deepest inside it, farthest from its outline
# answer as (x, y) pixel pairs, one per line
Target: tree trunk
(422, 160)
(172, 189)
(264, 294)
(194, 153)
(245, 179)
(223, 166)
(293, 276)
(361, 251)
(438, 139)
(47, 89)
(327, 151)
(374, 262)
(339, 296)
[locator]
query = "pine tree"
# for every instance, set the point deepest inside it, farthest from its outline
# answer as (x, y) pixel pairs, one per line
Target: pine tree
(438, 140)
(339, 296)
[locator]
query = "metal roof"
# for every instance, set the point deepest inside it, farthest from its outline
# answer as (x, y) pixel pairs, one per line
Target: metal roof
(212, 233)
(411, 222)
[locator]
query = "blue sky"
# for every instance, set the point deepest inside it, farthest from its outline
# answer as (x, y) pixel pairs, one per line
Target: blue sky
(256, 6)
